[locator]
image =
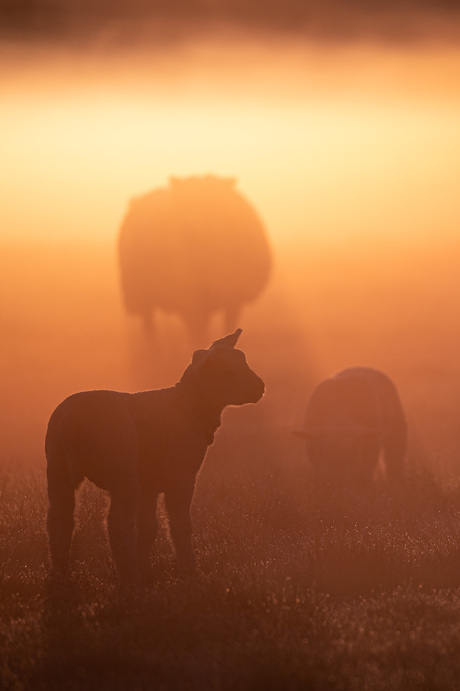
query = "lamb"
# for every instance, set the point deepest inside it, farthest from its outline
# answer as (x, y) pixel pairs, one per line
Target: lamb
(136, 446)
(350, 419)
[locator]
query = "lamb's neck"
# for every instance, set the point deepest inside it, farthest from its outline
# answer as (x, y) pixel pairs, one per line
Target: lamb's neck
(205, 412)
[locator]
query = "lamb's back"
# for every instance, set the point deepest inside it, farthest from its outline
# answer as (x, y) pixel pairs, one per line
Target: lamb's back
(93, 433)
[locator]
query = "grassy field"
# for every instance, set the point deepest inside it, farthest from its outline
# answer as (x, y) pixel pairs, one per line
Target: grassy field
(298, 589)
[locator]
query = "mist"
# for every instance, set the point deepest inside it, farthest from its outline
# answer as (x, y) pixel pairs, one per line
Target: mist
(348, 151)
(341, 130)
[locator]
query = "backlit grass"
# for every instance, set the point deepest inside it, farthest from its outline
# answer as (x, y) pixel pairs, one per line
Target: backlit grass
(298, 589)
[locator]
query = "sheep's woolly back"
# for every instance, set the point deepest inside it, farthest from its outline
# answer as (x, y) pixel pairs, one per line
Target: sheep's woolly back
(197, 242)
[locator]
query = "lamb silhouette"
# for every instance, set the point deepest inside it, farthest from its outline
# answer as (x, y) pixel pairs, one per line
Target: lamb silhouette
(136, 446)
(195, 248)
(350, 419)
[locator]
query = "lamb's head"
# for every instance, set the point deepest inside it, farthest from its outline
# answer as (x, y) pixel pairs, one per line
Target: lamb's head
(223, 374)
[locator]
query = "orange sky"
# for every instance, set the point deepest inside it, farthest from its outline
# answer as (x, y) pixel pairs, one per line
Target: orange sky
(328, 142)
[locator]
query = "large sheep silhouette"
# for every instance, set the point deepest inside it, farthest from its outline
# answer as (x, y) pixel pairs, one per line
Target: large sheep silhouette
(195, 248)
(137, 446)
(350, 419)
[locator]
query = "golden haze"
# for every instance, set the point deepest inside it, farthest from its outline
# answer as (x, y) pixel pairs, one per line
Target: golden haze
(349, 155)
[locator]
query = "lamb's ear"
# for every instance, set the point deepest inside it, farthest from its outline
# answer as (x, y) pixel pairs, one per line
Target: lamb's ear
(228, 341)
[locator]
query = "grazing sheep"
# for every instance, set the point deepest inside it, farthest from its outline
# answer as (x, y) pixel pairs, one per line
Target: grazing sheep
(138, 445)
(350, 419)
(195, 248)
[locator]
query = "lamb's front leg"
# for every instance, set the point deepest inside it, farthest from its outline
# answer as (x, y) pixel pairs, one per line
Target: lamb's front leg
(121, 524)
(177, 503)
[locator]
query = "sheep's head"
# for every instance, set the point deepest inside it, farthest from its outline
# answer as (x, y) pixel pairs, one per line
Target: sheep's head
(342, 454)
(224, 375)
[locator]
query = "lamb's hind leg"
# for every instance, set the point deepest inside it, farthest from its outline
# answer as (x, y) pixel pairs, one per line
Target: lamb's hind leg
(121, 524)
(147, 530)
(60, 519)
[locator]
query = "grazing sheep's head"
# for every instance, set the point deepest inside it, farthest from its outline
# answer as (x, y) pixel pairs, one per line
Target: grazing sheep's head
(342, 454)
(224, 375)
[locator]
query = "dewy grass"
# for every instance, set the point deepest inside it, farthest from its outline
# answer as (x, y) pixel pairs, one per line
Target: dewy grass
(297, 590)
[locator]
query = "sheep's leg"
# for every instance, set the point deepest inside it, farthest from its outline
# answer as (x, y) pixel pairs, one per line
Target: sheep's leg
(197, 322)
(394, 454)
(367, 460)
(121, 524)
(177, 504)
(232, 316)
(395, 434)
(147, 530)
(149, 325)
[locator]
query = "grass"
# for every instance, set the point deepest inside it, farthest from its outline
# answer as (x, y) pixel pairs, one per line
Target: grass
(298, 590)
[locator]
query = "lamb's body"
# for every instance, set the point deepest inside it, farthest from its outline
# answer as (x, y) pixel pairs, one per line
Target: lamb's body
(350, 419)
(137, 446)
